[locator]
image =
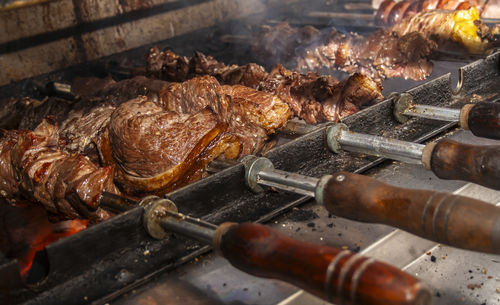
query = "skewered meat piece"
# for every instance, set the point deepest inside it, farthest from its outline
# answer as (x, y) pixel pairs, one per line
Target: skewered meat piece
(171, 67)
(249, 113)
(82, 120)
(380, 55)
(228, 120)
(317, 99)
(400, 51)
(33, 167)
(450, 30)
(299, 91)
(160, 146)
(157, 150)
(391, 12)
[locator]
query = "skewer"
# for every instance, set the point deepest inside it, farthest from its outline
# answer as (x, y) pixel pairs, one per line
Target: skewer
(358, 6)
(341, 15)
(236, 39)
(445, 218)
(332, 274)
(448, 159)
(482, 119)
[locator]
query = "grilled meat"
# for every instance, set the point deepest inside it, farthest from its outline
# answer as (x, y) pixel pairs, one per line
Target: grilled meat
(164, 137)
(82, 120)
(33, 167)
(400, 51)
(304, 93)
(248, 113)
(165, 140)
(380, 55)
(390, 12)
(154, 148)
(450, 30)
(174, 68)
(318, 99)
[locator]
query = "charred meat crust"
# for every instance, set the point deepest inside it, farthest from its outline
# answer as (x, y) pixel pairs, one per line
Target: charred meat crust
(33, 168)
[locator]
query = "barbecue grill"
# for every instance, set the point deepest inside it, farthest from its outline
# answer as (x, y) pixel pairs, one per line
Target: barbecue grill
(117, 262)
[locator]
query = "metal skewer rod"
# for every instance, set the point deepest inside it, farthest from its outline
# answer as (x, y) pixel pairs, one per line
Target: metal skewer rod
(330, 273)
(482, 119)
(433, 112)
(340, 138)
(442, 217)
(448, 159)
(296, 183)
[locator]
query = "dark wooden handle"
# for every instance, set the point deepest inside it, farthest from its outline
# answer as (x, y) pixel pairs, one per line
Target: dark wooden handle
(483, 119)
(478, 164)
(445, 218)
(332, 274)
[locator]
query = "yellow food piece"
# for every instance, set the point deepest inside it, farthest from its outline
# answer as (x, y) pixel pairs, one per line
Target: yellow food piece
(465, 31)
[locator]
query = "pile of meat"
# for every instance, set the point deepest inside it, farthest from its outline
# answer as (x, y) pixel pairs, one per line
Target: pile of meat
(150, 135)
(402, 50)
(312, 97)
(33, 166)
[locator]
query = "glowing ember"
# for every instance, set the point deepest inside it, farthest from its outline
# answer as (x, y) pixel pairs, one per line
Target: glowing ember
(26, 229)
(49, 233)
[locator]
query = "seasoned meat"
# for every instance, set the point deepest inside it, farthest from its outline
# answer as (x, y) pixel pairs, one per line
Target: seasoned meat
(155, 148)
(196, 94)
(249, 75)
(450, 30)
(378, 55)
(317, 99)
(304, 93)
(257, 108)
(486, 9)
(384, 53)
(33, 167)
(82, 120)
(250, 114)
(171, 67)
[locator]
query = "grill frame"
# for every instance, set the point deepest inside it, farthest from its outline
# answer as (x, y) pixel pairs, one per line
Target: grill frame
(96, 269)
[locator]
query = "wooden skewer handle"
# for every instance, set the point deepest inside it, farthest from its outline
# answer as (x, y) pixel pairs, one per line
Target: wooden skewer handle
(483, 119)
(332, 274)
(445, 218)
(453, 160)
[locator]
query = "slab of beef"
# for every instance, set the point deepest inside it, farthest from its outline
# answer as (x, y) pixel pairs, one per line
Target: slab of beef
(378, 55)
(317, 99)
(306, 94)
(82, 120)
(250, 114)
(169, 66)
(33, 167)
(157, 150)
